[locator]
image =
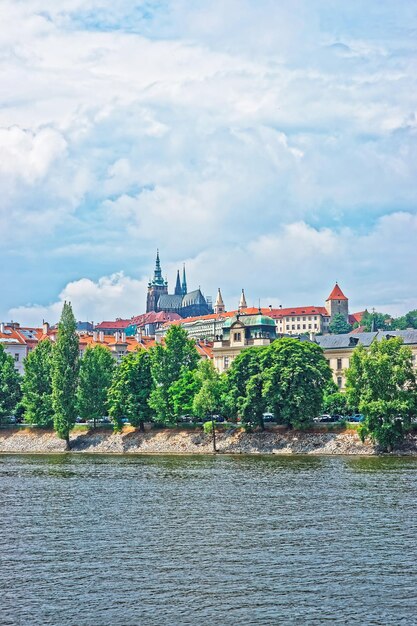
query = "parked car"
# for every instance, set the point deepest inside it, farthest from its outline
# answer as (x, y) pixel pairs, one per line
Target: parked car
(357, 417)
(104, 420)
(326, 417)
(185, 419)
(268, 417)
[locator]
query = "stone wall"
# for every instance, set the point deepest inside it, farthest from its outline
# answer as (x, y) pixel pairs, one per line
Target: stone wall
(178, 441)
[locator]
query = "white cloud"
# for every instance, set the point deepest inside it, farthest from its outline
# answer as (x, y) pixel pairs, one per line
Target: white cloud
(232, 129)
(111, 296)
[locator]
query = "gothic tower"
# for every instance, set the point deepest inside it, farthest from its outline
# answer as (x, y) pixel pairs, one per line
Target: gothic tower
(184, 282)
(337, 303)
(156, 287)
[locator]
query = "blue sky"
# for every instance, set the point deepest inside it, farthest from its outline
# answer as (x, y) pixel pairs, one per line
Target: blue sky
(269, 145)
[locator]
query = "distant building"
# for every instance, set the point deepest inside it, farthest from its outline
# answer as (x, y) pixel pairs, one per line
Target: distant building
(182, 302)
(338, 348)
(239, 332)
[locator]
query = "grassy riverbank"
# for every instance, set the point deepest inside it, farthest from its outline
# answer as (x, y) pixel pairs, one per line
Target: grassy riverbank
(184, 441)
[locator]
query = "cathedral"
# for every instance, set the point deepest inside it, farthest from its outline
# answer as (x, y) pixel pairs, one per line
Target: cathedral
(183, 302)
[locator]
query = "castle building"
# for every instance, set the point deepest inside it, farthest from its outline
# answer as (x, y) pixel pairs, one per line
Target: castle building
(182, 302)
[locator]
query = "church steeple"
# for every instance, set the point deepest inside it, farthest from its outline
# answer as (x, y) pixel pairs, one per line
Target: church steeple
(242, 301)
(219, 304)
(184, 281)
(178, 288)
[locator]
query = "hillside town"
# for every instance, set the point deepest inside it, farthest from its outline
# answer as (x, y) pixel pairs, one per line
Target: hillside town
(220, 334)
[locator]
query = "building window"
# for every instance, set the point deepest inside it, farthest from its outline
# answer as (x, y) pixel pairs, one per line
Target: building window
(339, 382)
(236, 336)
(298, 326)
(315, 317)
(339, 364)
(226, 362)
(304, 326)
(288, 327)
(315, 326)
(293, 327)
(16, 357)
(298, 319)
(309, 325)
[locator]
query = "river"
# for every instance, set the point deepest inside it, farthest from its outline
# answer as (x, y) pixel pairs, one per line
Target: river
(202, 540)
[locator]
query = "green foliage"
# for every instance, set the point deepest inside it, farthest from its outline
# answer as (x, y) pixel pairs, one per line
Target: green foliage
(96, 372)
(375, 321)
(409, 320)
(295, 377)
(253, 404)
(244, 366)
(208, 399)
(339, 325)
(65, 366)
(37, 386)
(10, 391)
(182, 392)
(130, 390)
(208, 427)
(334, 401)
(288, 378)
(168, 364)
(381, 383)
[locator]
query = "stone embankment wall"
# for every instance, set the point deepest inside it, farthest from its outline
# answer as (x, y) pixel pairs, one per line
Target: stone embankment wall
(193, 442)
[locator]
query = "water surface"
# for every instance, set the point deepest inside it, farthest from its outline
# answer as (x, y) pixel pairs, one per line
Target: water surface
(163, 540)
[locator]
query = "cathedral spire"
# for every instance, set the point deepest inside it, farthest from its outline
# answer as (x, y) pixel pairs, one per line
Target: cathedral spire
(178, 288)
(242, 301)
(184, 281)
(157, 277)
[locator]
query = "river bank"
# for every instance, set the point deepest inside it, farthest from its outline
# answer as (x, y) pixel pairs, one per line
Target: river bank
(178, 441)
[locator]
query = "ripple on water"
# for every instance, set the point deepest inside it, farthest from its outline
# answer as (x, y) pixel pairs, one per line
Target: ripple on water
(207, 540)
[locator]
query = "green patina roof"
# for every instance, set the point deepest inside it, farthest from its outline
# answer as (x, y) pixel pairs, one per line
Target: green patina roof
(250, 320)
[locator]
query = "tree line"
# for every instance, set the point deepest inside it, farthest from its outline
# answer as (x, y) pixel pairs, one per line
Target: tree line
(289, 378)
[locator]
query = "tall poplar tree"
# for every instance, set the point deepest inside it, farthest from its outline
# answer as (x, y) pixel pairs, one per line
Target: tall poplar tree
(10, 392)
(65, 374)
(37, 385)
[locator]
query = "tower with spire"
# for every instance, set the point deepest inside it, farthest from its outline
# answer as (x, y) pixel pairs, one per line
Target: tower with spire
(156, 287)
(242, 302)
(219, 304)
(182, 302)
(184, 281)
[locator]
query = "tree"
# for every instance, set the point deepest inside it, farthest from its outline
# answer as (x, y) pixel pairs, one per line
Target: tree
(182, 392)
(207, 400)
(65, 366)
(295, 375)
(37, 385)
(409, 320)
(10, 391)
(375, 321)
(381, 384)
(244, 366)
(96, 373)
(130, 390)
(169, 362)
(339, 325)
(253, 405)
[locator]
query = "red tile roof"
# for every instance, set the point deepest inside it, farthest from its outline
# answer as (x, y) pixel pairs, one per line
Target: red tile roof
(298, 310)
(337, 294)
(115, 325)
(356, 318)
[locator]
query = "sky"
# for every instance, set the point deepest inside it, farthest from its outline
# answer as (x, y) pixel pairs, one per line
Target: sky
(269, 145)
